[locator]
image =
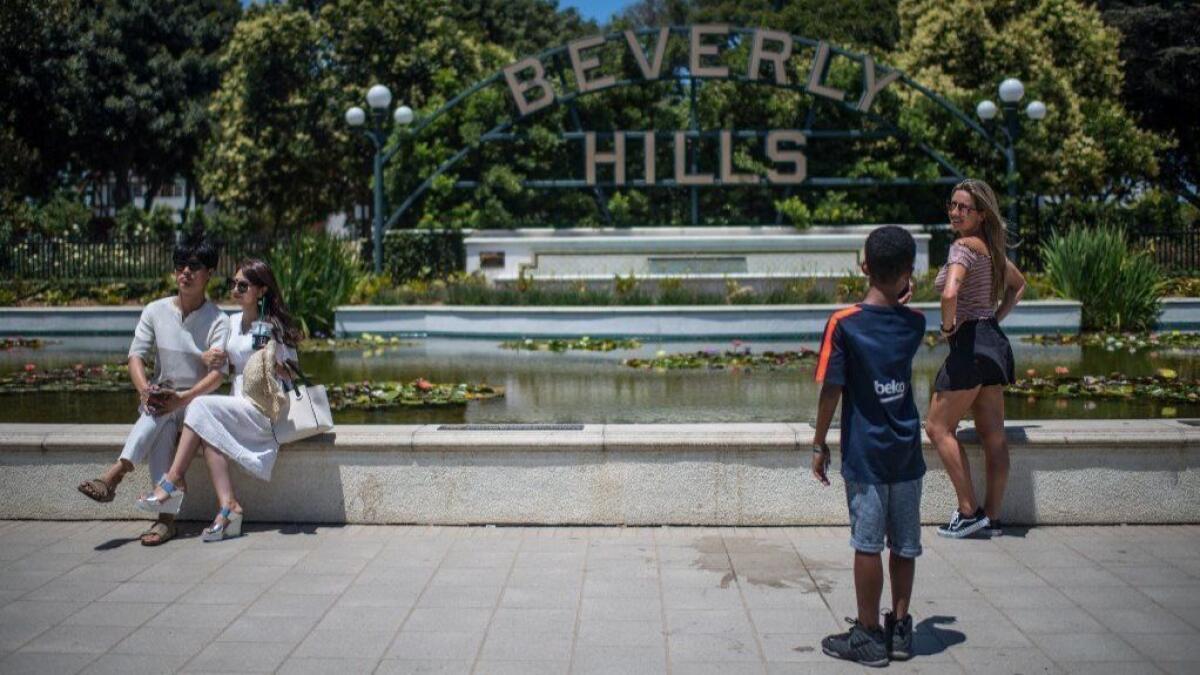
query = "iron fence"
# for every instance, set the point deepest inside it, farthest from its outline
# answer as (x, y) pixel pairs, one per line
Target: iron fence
(115, 260)
(1175, 248)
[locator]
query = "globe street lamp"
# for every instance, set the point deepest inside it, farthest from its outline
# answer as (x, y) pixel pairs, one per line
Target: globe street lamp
(379, 98)
(1011, 92)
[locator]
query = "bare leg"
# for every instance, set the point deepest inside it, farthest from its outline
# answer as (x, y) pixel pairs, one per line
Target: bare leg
(902, 571)
(868, 587)
(989, 424)
(218, 470)
(945, 411)
(116, 473)
(189, 443)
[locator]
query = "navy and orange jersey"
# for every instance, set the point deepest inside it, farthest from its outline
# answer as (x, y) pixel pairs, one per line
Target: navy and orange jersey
(868, 350)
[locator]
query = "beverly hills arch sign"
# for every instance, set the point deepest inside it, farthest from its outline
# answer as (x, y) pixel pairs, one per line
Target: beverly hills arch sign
(537, 83)
(531, 91)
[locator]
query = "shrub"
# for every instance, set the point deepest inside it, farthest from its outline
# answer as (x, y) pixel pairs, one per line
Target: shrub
(1119, 288)
(796, 211)
(316, 273)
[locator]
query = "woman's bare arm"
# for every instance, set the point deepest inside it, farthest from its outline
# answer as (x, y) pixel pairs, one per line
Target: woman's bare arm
(1014, 288)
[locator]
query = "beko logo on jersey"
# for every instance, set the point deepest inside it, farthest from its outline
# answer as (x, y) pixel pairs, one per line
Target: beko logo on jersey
(890, 391)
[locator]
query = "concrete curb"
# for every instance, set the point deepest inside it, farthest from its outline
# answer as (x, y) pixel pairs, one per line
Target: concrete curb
(1063, 472)
(679, 323)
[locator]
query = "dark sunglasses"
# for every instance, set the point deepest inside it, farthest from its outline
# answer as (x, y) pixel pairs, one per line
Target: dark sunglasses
(240, 286)
(191, 265)
(953, 206)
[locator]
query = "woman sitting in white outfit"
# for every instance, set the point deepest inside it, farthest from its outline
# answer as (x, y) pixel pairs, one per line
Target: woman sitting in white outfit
(231, 427)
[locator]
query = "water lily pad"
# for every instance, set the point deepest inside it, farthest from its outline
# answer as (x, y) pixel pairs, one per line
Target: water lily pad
(584, 343)
(419, 392)
(1133, 342)
(734, 361)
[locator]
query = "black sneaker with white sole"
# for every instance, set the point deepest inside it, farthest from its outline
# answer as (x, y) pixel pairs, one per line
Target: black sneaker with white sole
(866, 646)
(994, 528)
(961, 526)
(898, 636)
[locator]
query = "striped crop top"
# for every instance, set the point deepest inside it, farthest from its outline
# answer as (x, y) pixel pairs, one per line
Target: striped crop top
(975, 293)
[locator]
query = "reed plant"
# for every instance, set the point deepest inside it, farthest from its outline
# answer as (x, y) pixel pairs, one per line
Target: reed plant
(1119, 287)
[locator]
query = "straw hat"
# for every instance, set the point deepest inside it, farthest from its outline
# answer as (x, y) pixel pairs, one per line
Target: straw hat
(259, 384)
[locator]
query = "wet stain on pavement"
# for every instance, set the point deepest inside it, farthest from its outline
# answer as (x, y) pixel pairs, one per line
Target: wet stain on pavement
(758, 563)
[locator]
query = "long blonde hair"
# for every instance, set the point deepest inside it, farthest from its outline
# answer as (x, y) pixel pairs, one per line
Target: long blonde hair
(995, 231)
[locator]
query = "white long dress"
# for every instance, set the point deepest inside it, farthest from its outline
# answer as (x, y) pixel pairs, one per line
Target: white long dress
(232, 424)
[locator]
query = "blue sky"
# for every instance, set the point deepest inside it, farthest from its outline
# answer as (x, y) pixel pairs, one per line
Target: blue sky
(600, 10)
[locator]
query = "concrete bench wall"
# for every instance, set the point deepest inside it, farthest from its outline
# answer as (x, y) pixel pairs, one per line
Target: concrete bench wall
(1063, 472)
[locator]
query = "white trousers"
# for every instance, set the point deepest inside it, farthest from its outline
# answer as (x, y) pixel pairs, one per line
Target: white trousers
(152, 441)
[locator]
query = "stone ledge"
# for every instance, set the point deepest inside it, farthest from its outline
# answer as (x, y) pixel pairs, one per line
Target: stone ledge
(1063, 472)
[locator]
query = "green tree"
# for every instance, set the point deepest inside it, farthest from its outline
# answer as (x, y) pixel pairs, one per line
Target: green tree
(38, 83)
(147, 68)
(1088, 145)
(1160, 50)
(274, 122)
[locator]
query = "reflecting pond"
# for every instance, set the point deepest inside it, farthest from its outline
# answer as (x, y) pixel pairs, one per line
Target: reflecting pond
(582, 386)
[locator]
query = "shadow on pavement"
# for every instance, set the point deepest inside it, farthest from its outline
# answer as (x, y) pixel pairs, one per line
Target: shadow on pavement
(930, 639)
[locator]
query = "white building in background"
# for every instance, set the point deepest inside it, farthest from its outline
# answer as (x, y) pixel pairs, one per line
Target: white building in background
(174, 197)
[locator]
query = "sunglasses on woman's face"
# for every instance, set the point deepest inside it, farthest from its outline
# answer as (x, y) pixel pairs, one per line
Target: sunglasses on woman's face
(967, 209)
(191, 266)
(241, 286)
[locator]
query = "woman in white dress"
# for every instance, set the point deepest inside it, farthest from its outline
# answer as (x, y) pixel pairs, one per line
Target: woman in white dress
(231, 427)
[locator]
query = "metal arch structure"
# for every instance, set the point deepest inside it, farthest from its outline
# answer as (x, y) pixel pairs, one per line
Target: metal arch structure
(503, 131)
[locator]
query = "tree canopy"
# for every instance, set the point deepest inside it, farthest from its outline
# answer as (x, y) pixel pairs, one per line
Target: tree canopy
(250, 103)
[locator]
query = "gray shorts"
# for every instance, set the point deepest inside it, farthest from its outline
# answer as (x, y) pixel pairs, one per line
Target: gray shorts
(892, 510)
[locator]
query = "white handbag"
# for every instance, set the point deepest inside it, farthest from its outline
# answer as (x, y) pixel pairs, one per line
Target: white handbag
(307, 413)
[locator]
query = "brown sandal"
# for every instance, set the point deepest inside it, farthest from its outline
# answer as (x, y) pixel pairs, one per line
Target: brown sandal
(98, 490)
(163, 532)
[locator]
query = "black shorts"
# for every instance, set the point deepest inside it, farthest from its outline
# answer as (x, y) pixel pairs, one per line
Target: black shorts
(980, 356)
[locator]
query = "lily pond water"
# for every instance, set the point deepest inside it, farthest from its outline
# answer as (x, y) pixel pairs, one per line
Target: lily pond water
(596, 387)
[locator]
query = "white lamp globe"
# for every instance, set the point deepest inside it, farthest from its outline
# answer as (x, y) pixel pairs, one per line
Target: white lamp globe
(403, 115)
(356, 116)
(1011, 90)
(1036, 110)
(379, 97)
(986, 110)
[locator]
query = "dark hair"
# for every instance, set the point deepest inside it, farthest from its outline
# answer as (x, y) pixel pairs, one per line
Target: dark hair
(890, 253)
(259, 273)
(199, 248)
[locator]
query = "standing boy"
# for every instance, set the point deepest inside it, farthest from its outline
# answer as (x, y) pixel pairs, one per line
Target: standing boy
(176, 331)
(866, 361)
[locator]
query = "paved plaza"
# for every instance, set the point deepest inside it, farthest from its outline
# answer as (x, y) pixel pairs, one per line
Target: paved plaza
(86, 597)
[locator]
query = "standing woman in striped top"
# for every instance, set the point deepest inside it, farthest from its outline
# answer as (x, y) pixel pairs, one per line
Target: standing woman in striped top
(979, 287)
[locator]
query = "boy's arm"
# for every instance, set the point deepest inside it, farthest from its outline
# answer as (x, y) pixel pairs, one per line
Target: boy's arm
(826, 405)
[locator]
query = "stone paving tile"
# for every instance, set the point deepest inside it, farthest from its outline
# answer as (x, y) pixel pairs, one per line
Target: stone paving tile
(311, 666)
(35, 663)
(530, 600)
(155, 639)
(239, 657)
(441, 646)
(523, 646)
(424, 667)
(443, 619)
(522, 668)
(344, 644)
(131, 614)
(591, 660)
(136, 664)
(64, 639)
(268, 629)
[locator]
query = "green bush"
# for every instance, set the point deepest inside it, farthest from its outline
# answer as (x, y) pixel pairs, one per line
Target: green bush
(316, 273)
(1119, 288)
(796, 211)
(423, 254)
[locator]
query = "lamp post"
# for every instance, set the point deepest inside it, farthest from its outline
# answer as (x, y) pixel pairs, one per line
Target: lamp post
(1011, 92)
(379, 98)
